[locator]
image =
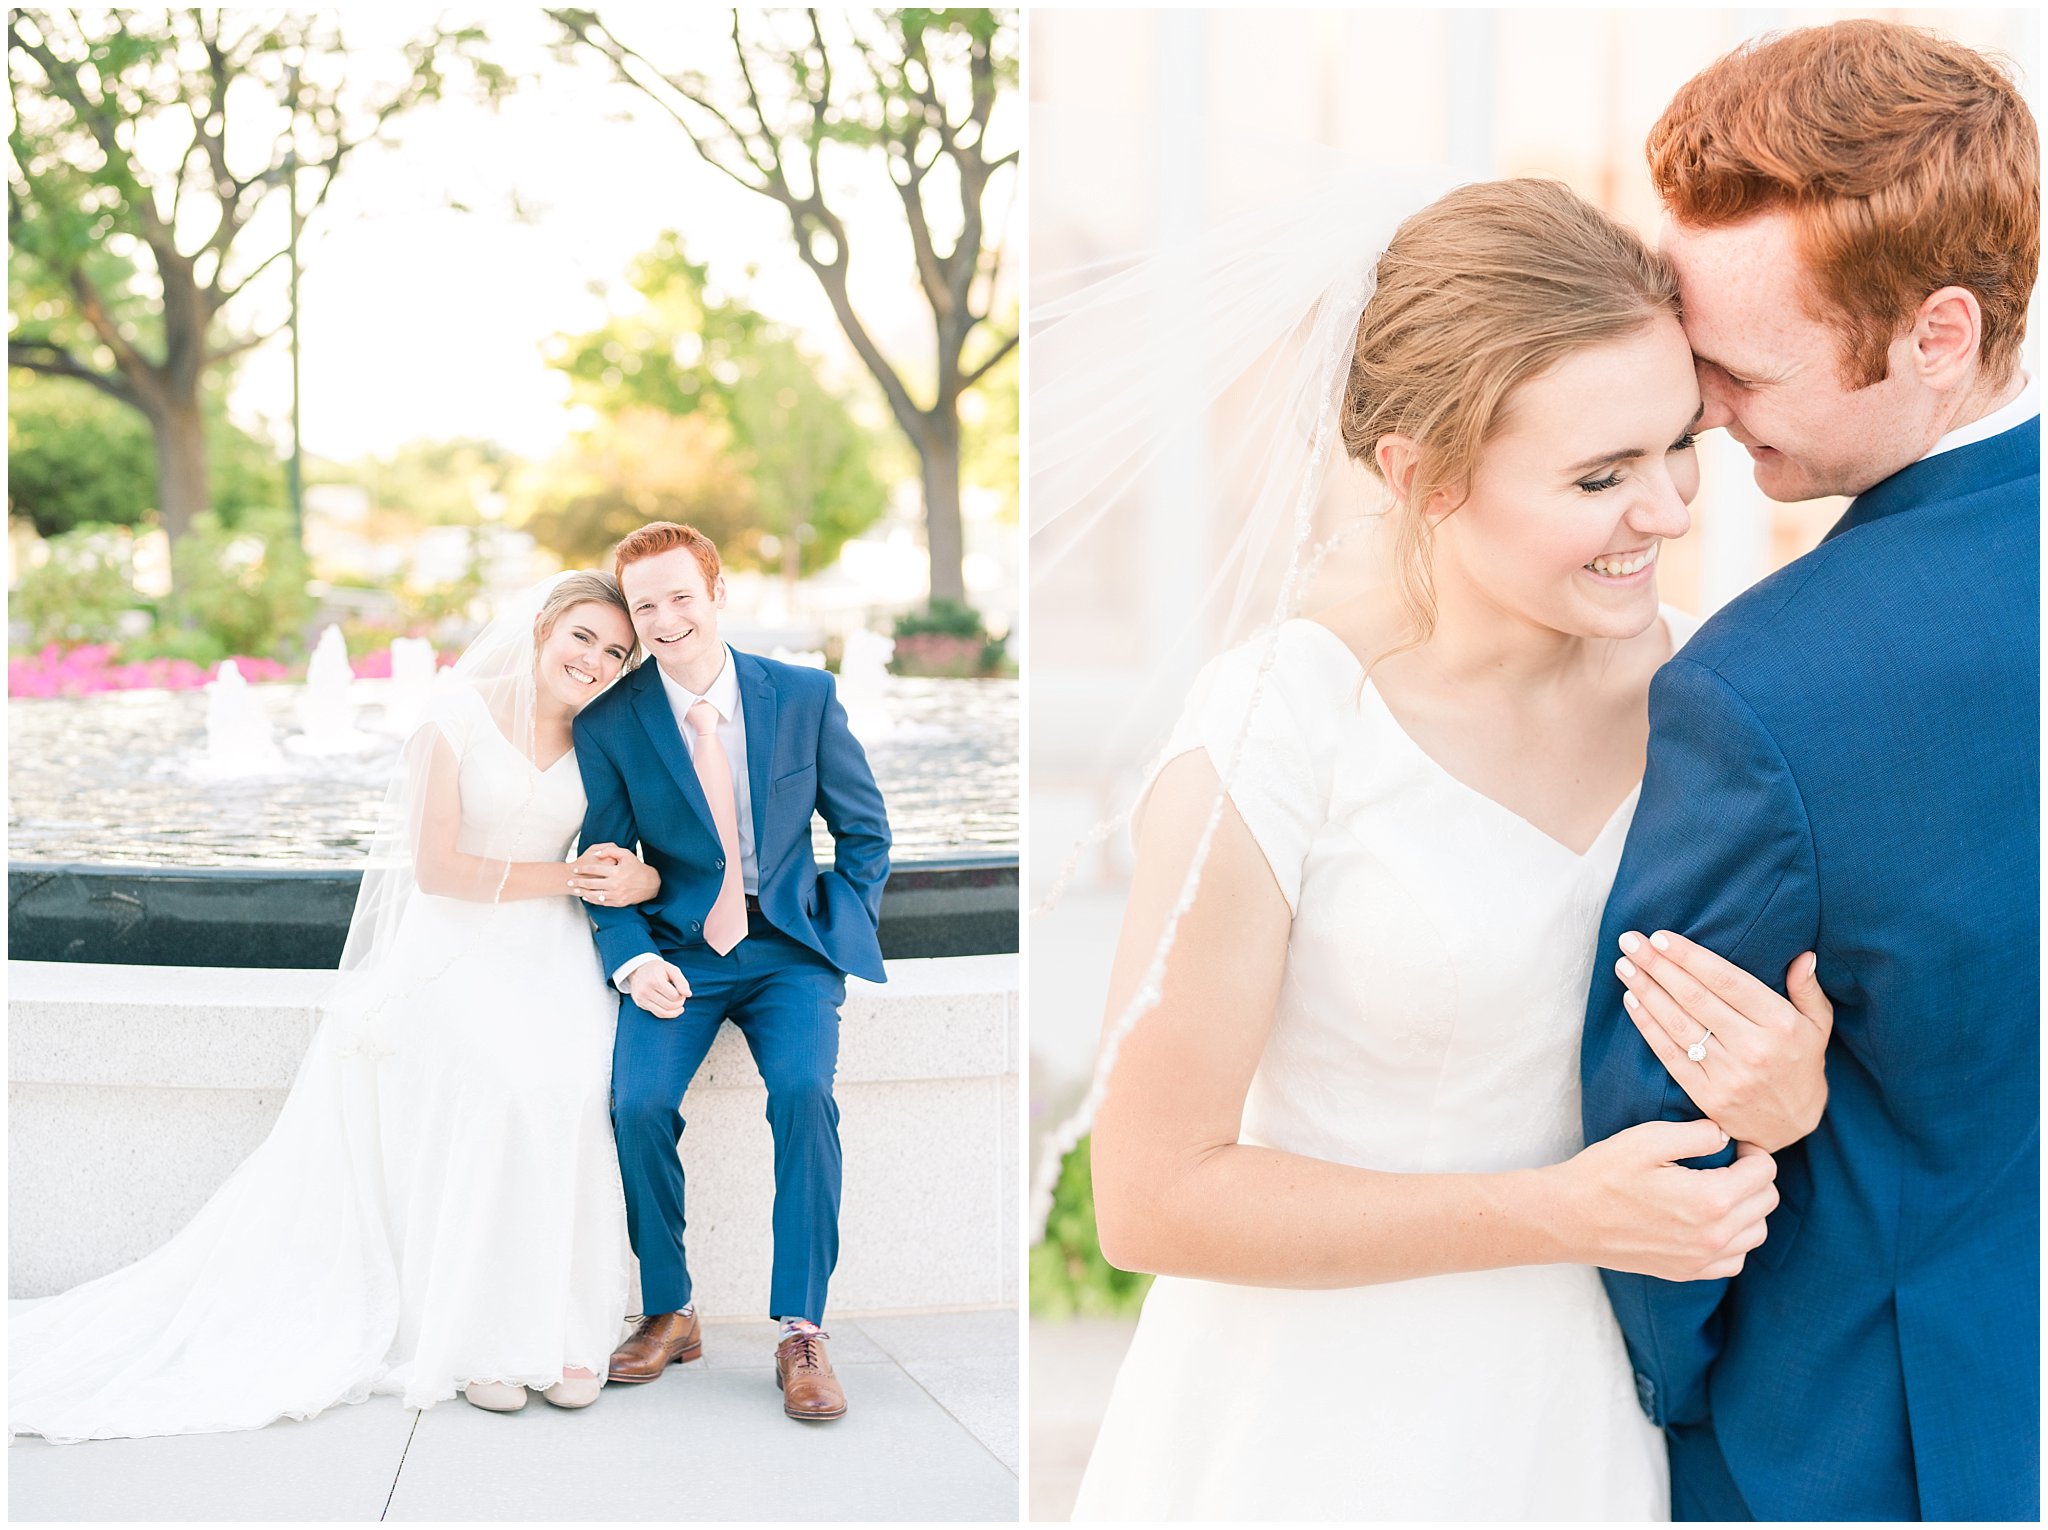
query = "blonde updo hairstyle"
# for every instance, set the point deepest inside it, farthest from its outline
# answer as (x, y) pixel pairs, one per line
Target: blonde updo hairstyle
(580, 588)
(1481, 291)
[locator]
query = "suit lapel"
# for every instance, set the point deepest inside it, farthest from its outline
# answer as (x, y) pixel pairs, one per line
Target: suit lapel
(759, 700)
(659, 719)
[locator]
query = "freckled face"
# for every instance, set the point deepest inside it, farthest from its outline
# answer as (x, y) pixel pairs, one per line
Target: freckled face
(674, 612)
(584, 652)
(1770, 373)
(1588, 475)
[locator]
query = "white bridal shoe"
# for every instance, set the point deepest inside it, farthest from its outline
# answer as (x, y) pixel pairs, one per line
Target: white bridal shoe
(495, 1396)
(573, 1391)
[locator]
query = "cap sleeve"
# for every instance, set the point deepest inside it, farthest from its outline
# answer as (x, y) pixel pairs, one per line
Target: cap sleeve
(455, 709)
(1266, 714)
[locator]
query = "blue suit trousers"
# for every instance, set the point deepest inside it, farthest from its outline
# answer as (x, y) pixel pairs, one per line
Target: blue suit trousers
(785, 999)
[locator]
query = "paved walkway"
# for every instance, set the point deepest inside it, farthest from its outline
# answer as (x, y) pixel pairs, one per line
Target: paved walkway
(930, 1433)
(1073, 1366)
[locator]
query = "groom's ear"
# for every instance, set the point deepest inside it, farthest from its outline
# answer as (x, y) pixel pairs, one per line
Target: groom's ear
(1946, 338)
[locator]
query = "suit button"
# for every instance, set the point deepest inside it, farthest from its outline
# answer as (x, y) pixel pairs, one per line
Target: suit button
(721, 863)
(1646, 1394)
(696, 928)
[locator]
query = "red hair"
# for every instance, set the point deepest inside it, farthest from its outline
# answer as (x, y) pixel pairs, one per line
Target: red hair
(665, 536)
(1906, 163)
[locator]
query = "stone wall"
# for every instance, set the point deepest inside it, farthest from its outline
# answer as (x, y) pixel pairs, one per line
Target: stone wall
(134, 1091)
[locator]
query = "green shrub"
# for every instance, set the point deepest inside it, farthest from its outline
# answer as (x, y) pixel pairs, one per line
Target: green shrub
(995, 657)
(1069, 1276)
(948, 618)
(203, 648)
(243, 585)
(78, 596)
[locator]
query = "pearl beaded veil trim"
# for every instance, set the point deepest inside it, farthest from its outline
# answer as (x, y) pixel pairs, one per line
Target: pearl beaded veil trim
(1254, 320)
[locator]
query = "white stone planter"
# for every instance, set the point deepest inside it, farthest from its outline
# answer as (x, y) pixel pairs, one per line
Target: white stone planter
(134, 1091)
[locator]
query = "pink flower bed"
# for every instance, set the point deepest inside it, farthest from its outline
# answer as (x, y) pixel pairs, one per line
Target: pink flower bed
(93, 667)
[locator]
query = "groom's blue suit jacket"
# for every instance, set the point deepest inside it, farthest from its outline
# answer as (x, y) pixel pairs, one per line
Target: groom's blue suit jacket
(801, 760)
(1846, 759)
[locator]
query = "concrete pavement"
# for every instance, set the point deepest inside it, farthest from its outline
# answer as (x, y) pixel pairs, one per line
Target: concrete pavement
(930, 1434)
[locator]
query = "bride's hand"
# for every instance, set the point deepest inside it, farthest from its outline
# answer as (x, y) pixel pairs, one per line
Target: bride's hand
(612, 877)
(1752, 1062)
(1628, 1203)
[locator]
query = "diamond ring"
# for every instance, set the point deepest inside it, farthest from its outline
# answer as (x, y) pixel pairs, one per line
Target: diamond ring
(1698, 1050)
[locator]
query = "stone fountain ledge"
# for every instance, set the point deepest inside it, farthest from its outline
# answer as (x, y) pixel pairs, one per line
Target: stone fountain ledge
(134, 1091)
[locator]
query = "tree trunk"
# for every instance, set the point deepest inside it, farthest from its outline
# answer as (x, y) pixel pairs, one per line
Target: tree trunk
(939, 455)
(181, 491)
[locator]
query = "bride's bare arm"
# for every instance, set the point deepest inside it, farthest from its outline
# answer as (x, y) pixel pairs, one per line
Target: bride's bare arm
(1177, 1193)
(447, 872)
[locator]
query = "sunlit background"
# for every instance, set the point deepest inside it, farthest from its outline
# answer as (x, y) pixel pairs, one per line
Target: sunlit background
(483, 292)
(559, 274)
(1476, 94)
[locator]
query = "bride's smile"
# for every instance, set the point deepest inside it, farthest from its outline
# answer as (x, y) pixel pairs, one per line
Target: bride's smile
(584, 653)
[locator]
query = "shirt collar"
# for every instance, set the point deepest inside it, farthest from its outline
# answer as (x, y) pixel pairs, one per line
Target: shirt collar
(724, 692)
(2023, 408)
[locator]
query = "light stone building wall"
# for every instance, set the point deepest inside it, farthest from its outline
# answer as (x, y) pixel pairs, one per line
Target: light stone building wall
(134, 1091)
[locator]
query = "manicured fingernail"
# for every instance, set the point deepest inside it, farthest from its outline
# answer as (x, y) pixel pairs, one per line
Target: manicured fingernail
(1625, 967)
(1628, 998)
(1661, 941)
(1629, 942)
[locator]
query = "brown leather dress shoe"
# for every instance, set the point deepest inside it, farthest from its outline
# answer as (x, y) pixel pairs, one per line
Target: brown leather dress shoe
(662, 1339)
(810, 1388)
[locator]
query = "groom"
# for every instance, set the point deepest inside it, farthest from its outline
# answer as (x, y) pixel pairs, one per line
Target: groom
(714, 762)
(1845, 760)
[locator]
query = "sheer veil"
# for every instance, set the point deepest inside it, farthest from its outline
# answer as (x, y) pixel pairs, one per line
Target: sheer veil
(489, 691)
(1197, 382)
(187, 1339)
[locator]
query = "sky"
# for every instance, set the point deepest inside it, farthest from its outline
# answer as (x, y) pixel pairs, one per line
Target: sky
(423, 320)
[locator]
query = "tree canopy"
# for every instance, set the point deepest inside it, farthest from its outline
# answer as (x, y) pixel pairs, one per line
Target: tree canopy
(144, 146)
(799, 472)
(909, 95)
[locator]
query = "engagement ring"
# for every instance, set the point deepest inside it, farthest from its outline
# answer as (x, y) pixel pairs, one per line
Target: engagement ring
(1698, 1050)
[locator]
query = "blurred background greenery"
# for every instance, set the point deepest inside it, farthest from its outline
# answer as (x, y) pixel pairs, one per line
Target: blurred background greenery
(169, 171)
(1069, 1276)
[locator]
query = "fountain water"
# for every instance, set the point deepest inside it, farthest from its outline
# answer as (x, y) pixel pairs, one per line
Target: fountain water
(863, 675)
(326, 713)
(239, 738)
(412, 682)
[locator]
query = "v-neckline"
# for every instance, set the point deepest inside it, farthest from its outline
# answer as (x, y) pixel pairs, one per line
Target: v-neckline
(532, 764)
(1445, 773)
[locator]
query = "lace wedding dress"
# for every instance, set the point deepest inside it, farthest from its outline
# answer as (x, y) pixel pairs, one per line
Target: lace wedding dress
(439, 1201)
(1428, 1022)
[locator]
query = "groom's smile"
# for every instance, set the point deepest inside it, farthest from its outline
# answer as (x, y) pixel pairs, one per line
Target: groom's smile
(675, 611)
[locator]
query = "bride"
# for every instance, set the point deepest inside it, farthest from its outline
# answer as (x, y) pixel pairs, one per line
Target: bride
(438, 1206)
(1339, 1097)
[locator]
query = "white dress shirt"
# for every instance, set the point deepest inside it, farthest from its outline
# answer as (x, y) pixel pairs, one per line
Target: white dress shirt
(1997, 423)
(724, 695)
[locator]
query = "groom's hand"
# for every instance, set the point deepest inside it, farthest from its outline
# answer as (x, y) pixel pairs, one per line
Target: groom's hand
(659, 988)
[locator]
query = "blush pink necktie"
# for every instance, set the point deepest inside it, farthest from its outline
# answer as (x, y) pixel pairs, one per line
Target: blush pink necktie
(726, 925)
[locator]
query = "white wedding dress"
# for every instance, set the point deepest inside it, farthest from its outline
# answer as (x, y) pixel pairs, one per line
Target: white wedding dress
(439, 1201)
(1428, 1022)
